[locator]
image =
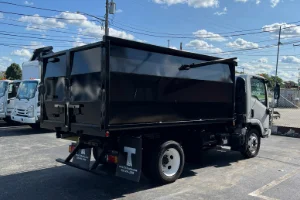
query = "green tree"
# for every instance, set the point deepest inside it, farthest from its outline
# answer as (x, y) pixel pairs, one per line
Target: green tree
(272, 80)
(13, 72)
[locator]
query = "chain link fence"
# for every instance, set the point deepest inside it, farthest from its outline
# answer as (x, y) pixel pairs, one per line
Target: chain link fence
(287, 108)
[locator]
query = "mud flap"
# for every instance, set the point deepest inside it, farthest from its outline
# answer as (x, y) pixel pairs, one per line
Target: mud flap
(130, 158)
(82, 158)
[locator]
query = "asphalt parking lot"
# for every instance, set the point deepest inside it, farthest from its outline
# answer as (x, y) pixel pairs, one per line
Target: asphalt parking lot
(29, 171)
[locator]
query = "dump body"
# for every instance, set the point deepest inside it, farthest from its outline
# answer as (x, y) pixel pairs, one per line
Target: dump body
(121, 85)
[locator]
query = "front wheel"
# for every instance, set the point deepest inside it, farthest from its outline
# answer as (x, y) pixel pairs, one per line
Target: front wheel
(166, 164)
(252, 144)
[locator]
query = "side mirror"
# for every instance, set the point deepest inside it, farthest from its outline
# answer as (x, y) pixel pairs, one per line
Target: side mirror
(277, 91)
(8, 101)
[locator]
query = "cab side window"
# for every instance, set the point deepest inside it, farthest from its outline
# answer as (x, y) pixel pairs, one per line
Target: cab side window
(258, 90)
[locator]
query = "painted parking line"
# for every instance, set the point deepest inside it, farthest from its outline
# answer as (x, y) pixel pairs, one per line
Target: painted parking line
(258, 193)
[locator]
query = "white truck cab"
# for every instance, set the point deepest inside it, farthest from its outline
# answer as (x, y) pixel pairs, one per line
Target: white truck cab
(27, 108)
(8, 92)
(257, 104)
(27, 105)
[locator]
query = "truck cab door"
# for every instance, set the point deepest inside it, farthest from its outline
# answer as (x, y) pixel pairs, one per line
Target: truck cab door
(12, 93)
(259, 105)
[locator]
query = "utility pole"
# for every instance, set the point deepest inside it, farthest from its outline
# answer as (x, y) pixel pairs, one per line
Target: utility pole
(278, 48)
(243, 70)
(106, 18)
(181, 46)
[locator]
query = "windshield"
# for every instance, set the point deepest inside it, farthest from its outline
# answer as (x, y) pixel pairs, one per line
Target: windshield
(3, 88)
(27, 90)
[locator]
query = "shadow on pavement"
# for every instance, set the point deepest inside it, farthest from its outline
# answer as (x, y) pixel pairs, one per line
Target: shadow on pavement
(21, 130)
(65, 182)
(216, 158)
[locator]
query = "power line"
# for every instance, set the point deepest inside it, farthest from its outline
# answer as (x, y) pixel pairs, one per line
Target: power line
(224, 36)
(68, 32)
(54, 10)
(14, 35)
(28, 6)
(47, 17)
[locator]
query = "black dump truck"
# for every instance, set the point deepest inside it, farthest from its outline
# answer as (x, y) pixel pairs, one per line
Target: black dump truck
(140, 108)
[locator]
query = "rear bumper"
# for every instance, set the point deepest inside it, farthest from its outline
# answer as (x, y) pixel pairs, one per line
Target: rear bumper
(25, 120)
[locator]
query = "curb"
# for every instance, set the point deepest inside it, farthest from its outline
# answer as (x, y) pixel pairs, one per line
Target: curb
(286, 131)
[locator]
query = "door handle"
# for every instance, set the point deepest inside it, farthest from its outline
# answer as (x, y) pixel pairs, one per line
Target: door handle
(74, 106)
(59, 106)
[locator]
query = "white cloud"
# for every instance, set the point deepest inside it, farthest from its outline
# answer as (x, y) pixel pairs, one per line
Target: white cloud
(274, 3)
(192, 3)
(22, 53)
(5, 59)
(142, 41)
(172, 47)
(290, 59)
(244, 1)
(5, 62)
(257, 2)
(77, 19)
(242, 44)
(28, 3)
(119, 11)
(34, 45)
(78, 42)
(204, 34)
(91, 28)
(204, 46)
(36, 21)
(1, 15)
(224, 12)
(287, 30)
(263, 60)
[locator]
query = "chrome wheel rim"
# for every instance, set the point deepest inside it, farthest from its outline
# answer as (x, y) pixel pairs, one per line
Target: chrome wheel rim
(253, 143)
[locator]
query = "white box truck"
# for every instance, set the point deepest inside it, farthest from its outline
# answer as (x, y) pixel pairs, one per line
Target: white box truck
(27, 103)
(8, 92)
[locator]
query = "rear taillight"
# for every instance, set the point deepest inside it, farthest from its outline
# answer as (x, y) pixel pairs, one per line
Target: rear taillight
(72, 147)
(112, 159)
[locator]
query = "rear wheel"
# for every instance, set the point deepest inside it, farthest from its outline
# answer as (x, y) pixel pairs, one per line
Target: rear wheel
(165, 165)
(252, 144)
(8, 121)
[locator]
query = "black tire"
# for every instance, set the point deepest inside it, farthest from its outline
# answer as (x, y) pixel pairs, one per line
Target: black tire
(9, 121)
(35, 126)
(153, 162)
(248, 151)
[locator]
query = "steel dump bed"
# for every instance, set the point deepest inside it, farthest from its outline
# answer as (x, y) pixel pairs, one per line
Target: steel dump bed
(119, 84)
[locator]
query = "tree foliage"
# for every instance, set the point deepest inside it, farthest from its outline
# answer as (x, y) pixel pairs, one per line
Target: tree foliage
(13, 72)
(272, 80)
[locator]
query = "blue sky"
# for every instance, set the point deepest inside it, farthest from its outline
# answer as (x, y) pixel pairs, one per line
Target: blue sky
(203, 26)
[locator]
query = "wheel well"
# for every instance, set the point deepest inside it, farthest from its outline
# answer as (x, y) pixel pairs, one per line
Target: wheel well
(257, 127)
